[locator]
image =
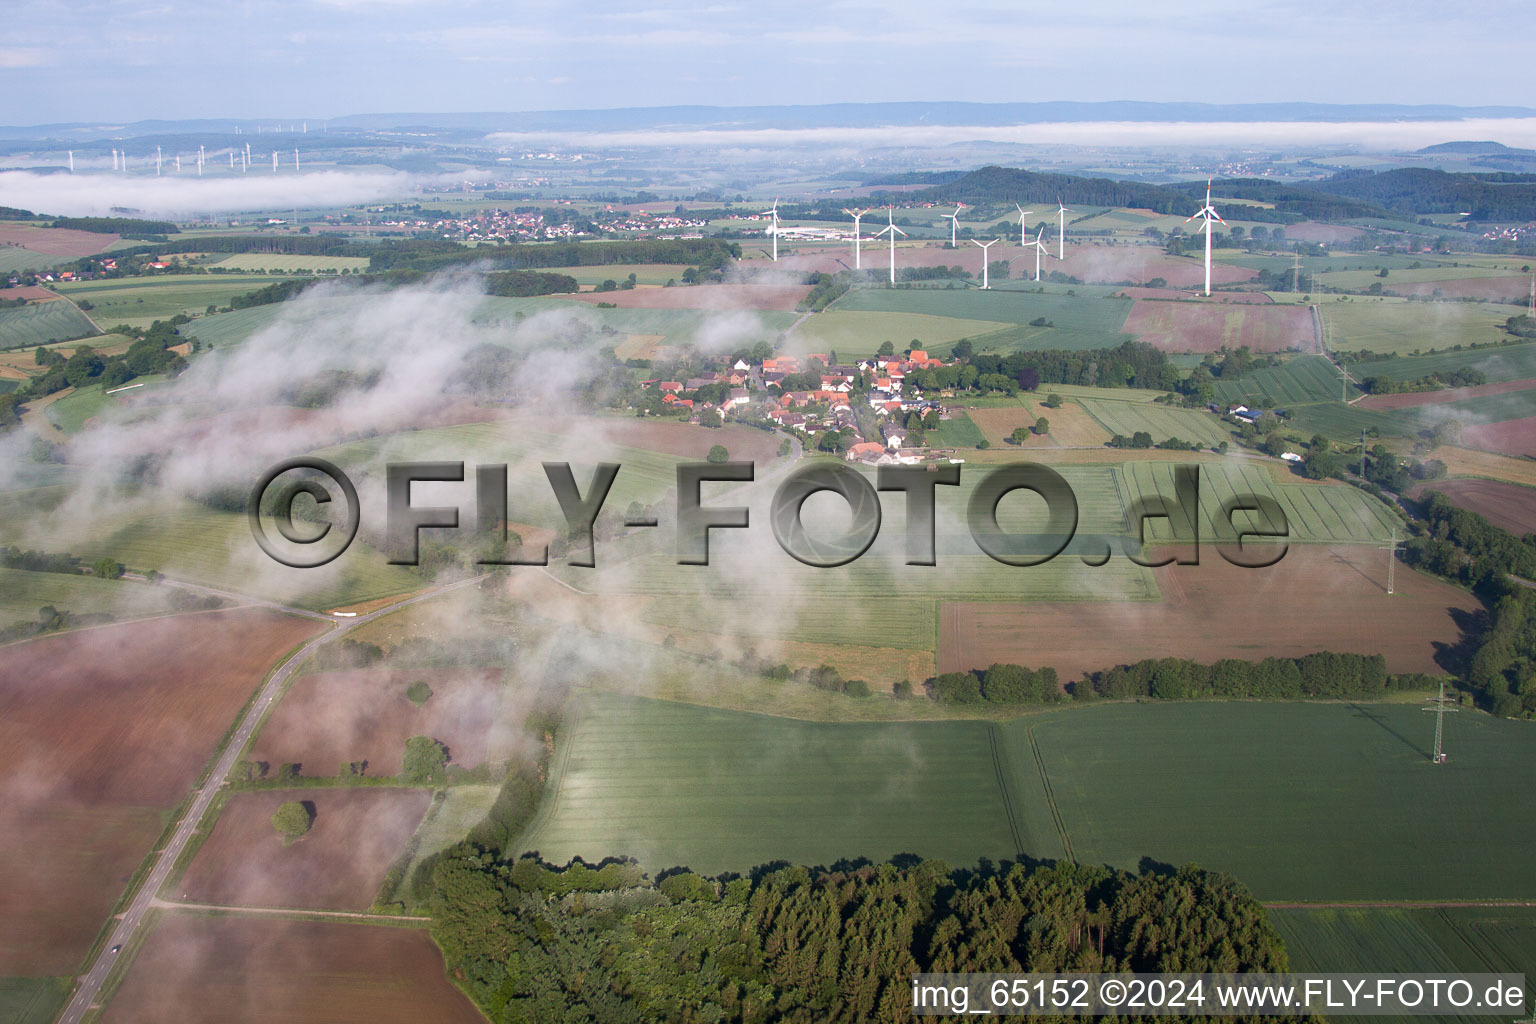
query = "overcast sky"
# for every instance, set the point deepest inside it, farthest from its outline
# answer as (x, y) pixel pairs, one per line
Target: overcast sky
(94, 60)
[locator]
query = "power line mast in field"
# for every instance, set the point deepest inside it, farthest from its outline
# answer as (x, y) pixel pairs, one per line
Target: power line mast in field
(1390, 547)
(1296, 272)
(1439, 705)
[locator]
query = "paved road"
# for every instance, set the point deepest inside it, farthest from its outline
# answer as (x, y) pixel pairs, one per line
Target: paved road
(144, 899)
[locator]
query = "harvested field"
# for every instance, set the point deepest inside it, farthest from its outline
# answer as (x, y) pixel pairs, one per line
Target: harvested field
(1511, 290)
(259, 970)
(719, 297)
(101, 732)
(1412, 400)
(1071, 426)
(55, 241)
(337, 865)
(1511, 437)
(1200, 327)
(1508, 506)
(1316, 598)
(1469, 462)
(328, 718)
(640, 346)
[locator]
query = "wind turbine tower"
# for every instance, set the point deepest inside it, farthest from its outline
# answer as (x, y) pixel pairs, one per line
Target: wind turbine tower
(1061, 235)
(157, 161)
(274, 161)
(857, 215)
(1039, 246)
(71, 161)
(295, 158)
(985, 266)
(178, 163)
(893, 230)
(773, 227)
(954, 223)
(1207, 213)
(1023, 236)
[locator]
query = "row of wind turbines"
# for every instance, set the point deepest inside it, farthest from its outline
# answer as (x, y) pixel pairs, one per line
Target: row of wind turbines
(892, 230)
(238, 157)
(1207, 213)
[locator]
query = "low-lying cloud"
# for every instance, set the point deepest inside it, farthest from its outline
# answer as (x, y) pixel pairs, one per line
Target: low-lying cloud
(188, 196)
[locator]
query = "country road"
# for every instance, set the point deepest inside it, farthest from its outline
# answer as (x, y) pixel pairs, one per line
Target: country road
(145, 899)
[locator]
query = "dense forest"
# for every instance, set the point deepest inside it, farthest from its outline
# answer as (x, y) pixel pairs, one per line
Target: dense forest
(128, 227)
(1415, 191)
(534, 943)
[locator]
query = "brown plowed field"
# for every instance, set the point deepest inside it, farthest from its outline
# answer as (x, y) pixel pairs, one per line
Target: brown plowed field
(32, 293)
(1514, 290)
(1071, 425)
(722, 297)
(1316, 598)
(1412, 400)
(1202, 327)
(1508, 506)
(259, 970)
(337, 865)
(101, 731)
(1511, 437)
(691, 441)
(328, 718)
(55, 241)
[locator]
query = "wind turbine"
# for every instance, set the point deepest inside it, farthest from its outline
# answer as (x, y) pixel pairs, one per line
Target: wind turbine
(856, 215)
(1206, 213)
(1061, 239)
(1039, 247)
(773, 228)
(295, 159)
(274, 161)
(1023, 238)
(157, 161)
(890, 217)
(954, 222)
(985, 266)
(71, 161)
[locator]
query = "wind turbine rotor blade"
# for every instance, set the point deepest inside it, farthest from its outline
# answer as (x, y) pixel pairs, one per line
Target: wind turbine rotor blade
(1218, 217)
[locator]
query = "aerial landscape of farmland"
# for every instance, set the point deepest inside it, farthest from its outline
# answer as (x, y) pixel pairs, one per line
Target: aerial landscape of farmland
(623, 559)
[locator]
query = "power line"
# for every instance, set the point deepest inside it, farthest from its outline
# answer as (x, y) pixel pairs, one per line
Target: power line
(1439, 706)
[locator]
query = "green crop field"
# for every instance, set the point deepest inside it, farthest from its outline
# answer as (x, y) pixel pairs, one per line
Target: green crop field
(139, 301)
(1313, 512)
(1400, 327)
(288, 263)
(1079, 322)
(671, 784)
(855, 335)
(645, 475)
(1498, 363)
(676, 326)
(1297, 381)
(1360, 280)
(15, 258)
(22, 593)
(450, 819)
(1161, 421)
(233, 327)
(192, 542)
(956, 432)
(1300, 801)
(39, 323)
(32, 1000)
(645, 273)
(71, 412)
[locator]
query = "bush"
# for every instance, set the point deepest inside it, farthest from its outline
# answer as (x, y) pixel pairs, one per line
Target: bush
(424, 760)
(418, 693)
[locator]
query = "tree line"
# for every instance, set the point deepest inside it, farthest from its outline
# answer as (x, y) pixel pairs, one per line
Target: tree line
(529, 942)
